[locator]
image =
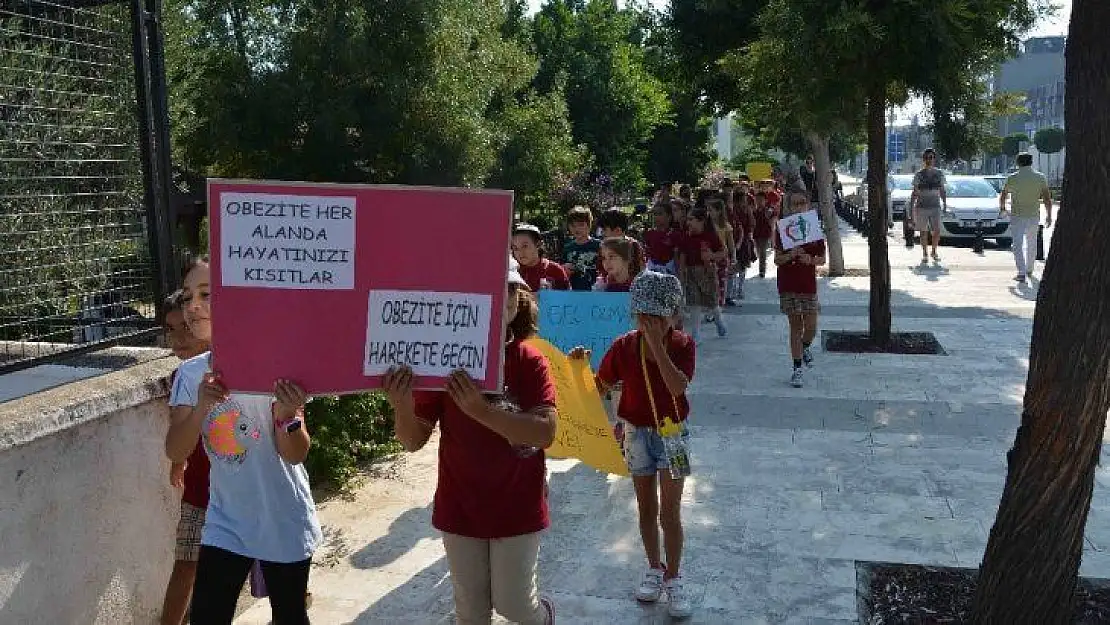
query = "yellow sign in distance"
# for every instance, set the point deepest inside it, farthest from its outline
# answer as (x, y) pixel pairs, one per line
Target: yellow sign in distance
(759, 171)
(583, 430)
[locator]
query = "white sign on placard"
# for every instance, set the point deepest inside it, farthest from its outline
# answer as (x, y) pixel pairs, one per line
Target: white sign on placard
(433, 333)
(799, 229)
(287, 241)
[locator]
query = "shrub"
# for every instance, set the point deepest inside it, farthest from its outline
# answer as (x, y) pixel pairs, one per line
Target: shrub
(347, 432)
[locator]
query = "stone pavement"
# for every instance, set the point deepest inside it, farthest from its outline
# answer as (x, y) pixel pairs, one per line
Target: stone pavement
(878, 458)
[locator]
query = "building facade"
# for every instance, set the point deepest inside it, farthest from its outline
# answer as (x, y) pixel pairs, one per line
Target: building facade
(1038, 74)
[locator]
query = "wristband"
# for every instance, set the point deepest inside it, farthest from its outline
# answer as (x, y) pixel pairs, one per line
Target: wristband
(292, 425)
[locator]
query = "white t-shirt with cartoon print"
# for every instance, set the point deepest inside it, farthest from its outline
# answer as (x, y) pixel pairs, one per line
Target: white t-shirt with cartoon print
(260, 506)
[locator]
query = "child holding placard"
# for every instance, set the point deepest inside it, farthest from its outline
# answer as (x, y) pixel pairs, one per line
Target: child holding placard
(654, 364)
(797, 282)
(621, 264)
(260, 506)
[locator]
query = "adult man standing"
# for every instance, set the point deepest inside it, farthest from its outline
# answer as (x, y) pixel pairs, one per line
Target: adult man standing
(808, 172)
(1026, 188)
(927, 201)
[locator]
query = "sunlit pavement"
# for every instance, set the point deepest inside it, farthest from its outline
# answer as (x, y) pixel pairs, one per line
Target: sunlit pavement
(878, 458)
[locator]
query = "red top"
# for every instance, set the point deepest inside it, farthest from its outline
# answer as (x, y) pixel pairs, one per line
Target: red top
(763, 218)
(794, 277)
(622, 364)
(690, 246)
(618, 287)
(196, 478)
(486, 488)
(660, 245)
(196, 472)
(554, 273)
(744, 226)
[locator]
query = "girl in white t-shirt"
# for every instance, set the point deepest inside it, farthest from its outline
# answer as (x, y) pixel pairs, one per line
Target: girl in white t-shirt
(260, 506)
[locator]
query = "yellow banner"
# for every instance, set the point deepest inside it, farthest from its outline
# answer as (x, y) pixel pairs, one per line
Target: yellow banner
(583, 431)
(758, 171)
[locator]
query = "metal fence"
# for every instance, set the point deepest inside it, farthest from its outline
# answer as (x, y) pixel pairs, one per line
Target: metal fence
(84, 236)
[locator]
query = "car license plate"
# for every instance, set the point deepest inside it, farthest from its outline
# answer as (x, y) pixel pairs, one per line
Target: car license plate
(970, 223)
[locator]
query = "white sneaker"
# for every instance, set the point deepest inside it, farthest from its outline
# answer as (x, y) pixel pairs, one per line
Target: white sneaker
(651, 586)
(678, 602)
(796, 378)
(807, 356)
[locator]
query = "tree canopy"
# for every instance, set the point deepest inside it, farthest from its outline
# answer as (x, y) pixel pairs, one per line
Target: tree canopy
(1049, 140)
(443, 92)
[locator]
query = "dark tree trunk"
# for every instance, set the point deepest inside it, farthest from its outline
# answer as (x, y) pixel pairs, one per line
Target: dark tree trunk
(878, 259)
(1031, 565)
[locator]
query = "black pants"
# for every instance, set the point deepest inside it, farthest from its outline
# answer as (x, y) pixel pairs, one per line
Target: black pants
(220, 578)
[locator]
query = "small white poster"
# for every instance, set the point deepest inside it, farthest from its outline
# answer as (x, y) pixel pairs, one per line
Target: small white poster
(434, 333)
(287, 241)
(799, 229)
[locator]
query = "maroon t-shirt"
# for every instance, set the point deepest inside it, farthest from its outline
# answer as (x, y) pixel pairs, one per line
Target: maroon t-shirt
(486, 488)
(196, 472)
(618, 287)
(660, 245)
(795, 277)
(554, 273)
(622, 364)
(690, 246)
(765, 217)
(196, 478)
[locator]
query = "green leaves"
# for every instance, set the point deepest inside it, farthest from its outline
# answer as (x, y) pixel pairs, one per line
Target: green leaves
(1049, 140)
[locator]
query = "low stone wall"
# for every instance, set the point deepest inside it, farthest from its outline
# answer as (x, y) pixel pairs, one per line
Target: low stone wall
(87, 515)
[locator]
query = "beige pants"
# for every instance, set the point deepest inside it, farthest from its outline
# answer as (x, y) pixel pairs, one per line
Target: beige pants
(497, 574)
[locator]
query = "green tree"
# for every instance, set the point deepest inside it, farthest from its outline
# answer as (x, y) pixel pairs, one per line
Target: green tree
(874, 53)
(1031, 564)
(537, 151)
(595, 52)
(1049, 141)
(679, 146)
(1011, 146)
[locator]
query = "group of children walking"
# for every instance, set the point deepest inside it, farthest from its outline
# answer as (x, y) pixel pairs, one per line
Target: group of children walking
(239, 458)
(709, 239)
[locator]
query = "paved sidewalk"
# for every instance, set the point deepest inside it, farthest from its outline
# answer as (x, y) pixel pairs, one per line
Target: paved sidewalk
(883, 457)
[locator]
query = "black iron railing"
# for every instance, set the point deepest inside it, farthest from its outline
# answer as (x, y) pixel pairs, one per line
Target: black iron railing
(84, 224)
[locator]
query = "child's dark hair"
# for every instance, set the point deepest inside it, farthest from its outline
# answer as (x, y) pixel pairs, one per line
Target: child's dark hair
(579, 215)
(625, 247)
(717, 204)
(684, 192)
(665, 208)
(613, 218)
(702, 214)
(526, 322)
(173, 302)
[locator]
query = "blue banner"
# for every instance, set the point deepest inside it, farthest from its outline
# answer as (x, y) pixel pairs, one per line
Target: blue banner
(589, 319)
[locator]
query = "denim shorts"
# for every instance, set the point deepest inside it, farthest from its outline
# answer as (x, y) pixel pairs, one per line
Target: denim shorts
(643, 448)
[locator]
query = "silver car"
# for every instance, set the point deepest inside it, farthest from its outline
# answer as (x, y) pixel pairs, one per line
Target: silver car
(900, 187)
(972, 206)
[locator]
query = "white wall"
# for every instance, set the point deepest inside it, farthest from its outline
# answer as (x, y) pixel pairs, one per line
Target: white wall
(87, 516)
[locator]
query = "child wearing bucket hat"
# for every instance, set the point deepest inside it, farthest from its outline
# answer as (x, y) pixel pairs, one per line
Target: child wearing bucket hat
(654, 364)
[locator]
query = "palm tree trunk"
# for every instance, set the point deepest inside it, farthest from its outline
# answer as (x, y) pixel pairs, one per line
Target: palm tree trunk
(878, 258)
(1031, 564)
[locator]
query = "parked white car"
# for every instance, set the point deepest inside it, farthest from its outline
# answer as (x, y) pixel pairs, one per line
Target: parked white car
(899, 188)
(972, 205)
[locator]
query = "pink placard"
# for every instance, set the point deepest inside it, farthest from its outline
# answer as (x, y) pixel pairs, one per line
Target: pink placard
(328, 285)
